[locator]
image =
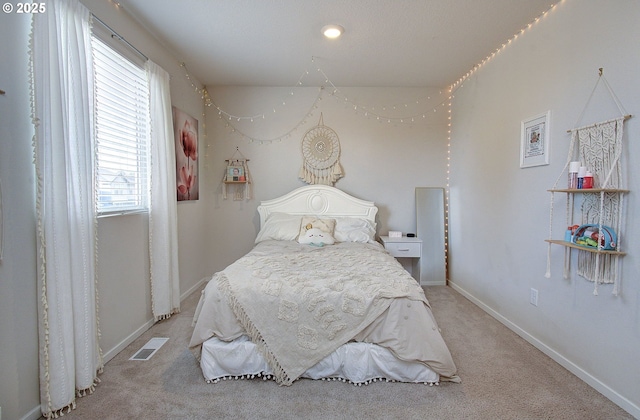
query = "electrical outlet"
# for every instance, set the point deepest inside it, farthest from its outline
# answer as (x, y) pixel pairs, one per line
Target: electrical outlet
(534, 297)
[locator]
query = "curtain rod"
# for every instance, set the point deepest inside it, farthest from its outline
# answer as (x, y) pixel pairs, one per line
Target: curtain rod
(114, 34)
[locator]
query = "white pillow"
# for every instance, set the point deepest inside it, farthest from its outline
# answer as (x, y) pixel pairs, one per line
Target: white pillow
(280, 227)
(354, 229)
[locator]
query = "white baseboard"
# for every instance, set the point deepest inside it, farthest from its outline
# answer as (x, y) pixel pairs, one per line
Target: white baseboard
(128, 340)
(137, 333)
(193, 288)
(592, 381)
(34, 414)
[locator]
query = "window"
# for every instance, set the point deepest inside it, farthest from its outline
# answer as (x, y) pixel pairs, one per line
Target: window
(122, 129)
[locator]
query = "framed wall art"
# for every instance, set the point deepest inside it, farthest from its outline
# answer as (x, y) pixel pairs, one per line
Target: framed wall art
(235, 173)
(186, 144)
(534, 141)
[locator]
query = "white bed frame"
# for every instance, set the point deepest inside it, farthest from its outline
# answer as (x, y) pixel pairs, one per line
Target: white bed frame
(318, 200)
(357, 363)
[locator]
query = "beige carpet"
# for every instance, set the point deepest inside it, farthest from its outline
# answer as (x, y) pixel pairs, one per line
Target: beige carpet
(503, 377)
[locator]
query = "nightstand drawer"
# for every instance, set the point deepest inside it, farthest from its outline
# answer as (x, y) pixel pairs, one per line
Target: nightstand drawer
(404, 249)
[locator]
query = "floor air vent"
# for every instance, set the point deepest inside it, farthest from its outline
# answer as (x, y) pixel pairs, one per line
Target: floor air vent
(149, 349)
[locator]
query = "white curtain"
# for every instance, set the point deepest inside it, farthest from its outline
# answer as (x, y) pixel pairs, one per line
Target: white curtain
(163, 213)
(62, 104)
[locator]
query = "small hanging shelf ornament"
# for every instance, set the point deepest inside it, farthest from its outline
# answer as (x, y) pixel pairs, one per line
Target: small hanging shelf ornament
(237, 175)
(321, 156)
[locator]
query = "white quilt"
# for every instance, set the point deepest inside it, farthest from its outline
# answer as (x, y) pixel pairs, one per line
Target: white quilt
(299, 303)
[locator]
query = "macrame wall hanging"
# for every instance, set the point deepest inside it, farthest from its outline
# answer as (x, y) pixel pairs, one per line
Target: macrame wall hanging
(321, 156)
(237, 177)
(598, 147)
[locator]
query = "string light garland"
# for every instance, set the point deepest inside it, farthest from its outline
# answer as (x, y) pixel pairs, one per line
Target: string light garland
(286, 135)
(447, 185)
(452, 89)
(359, 109)
(488, 58)
(203, 93)
(231, 120)
(336, 92)
(372, 113)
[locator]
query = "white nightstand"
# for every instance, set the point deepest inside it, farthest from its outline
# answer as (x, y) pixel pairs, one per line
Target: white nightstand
(405, 247)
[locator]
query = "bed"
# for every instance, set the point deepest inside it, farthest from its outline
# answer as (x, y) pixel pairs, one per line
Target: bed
(317, 297)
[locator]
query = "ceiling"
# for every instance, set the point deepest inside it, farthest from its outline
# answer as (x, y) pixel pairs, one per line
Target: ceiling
(427, 43)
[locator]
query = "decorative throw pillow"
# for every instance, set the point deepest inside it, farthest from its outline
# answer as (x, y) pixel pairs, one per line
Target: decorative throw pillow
(309, 222)
(316, 237)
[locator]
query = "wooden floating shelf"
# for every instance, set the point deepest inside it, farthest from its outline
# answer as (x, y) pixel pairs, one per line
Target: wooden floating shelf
(590, 190)
(584, 248)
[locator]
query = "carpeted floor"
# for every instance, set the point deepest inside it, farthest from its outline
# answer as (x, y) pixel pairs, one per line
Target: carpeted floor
(503, 377)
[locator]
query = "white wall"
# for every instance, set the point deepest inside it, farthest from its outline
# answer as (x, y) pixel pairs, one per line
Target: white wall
(500, 213)
(18, 295)
(383, 162)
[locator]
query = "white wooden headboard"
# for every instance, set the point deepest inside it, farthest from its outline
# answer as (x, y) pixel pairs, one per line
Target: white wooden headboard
(318, 200)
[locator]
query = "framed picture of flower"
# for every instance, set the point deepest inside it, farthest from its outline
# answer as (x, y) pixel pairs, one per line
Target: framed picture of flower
(185, 129)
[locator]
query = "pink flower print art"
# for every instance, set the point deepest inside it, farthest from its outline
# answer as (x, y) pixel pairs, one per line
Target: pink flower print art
(186, 147)
(186, 182)
(189, 141)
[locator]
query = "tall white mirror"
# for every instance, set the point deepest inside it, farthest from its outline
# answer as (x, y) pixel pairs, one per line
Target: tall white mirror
(431, 230)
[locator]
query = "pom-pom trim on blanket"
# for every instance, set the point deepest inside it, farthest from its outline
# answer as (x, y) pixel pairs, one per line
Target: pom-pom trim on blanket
(270, 377)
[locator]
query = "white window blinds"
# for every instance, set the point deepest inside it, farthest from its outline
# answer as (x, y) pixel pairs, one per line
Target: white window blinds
(122, 131)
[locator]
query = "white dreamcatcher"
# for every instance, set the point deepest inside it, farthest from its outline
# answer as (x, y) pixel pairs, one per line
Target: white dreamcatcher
(321, 156)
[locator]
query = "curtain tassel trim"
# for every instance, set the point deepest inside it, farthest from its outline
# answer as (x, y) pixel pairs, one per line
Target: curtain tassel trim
(54, 414)
(60, 412)
(167, 316)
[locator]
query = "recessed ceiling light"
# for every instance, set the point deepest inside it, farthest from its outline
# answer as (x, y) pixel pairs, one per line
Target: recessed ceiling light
(332, 31)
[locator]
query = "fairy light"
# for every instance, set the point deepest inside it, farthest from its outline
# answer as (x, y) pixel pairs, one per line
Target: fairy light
(452, 89)
(369, 113)
(209, 102)
(335, 92)
(528, 27)
(286, 135)
(447, 184)
(358, 108)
